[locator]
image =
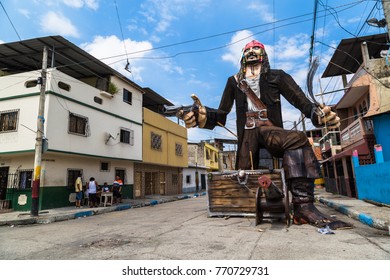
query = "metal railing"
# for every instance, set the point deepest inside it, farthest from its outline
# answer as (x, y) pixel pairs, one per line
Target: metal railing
(356, 131)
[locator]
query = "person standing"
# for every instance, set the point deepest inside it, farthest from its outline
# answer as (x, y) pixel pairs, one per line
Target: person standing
(117, 189)
(92, 192)
(79, 190)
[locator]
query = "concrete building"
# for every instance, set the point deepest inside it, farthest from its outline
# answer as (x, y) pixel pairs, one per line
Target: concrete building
(364, 111)
(92, 122)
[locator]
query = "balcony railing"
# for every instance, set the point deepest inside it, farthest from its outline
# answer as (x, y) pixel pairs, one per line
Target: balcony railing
(356, 131)
(330, 142)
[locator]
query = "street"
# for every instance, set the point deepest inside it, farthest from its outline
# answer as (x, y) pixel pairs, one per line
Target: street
(181, 230)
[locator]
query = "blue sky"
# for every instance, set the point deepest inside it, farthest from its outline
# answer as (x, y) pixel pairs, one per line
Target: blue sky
(180, 47)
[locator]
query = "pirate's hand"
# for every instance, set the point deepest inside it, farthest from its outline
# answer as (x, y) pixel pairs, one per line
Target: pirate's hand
(192, 119)
(327, 117)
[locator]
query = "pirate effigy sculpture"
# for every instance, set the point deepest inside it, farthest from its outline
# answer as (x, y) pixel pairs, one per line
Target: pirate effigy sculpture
(256, 91)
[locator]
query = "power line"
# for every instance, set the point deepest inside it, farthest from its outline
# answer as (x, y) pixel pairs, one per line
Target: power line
(124, 42)
(20, 39)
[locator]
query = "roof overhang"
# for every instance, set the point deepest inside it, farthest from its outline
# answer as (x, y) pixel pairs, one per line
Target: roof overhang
(347, 58)
(351, 96)
(23, 56)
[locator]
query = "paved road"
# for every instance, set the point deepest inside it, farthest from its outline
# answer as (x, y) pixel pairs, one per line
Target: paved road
(181, 230)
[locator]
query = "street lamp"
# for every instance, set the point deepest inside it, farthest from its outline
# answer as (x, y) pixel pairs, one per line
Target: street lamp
(376, 23)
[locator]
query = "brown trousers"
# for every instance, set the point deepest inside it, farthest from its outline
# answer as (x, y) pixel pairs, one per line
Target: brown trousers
(274, 139)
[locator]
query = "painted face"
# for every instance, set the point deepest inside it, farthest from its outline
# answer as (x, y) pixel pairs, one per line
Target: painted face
(253, 52)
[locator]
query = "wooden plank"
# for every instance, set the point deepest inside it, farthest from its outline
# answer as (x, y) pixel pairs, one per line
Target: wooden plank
(227, 195)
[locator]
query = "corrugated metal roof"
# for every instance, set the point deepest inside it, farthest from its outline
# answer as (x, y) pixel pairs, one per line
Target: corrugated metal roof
(26, 55)
(347, 58)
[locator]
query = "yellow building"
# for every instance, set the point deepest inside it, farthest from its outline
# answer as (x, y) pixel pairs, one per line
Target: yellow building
(211, 157)
(164, 155)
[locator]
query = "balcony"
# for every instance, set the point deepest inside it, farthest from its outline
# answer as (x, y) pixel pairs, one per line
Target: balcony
(330, 143)
(355, 133)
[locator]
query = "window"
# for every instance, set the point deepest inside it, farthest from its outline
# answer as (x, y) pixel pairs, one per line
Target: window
(207, 154)
(188, 179)
(156, 141)
(104, 166)
(72, 176)
(64, 86)
(31, 83)
(25, 179)
(78, 124)
(9, 120)
(179, 149)
(127, 96)
(127, 136)
(98, 100)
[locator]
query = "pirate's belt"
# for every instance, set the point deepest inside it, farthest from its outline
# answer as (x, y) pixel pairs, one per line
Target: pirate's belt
(257, 119)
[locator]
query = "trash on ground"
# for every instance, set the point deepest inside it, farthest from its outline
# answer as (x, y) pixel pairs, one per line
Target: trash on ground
(325, 230)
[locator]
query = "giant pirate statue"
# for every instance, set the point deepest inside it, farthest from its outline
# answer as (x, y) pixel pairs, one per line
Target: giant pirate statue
(256, 91)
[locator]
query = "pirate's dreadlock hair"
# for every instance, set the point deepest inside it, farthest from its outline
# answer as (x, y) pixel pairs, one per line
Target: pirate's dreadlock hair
(265, 67)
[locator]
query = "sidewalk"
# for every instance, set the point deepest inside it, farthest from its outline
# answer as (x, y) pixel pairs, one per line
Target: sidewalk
(374, 216)
(67, 213)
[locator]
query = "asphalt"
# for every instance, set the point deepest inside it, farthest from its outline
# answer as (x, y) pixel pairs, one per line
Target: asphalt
(373, 215)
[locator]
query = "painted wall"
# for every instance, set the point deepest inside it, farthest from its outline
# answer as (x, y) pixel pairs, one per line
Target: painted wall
(69, 151)
(191, 186)
(104, 119)
(211, 161)
(382, 133)
(372, 182)
(171, 133)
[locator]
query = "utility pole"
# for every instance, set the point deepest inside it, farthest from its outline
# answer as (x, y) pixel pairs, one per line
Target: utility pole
(39, 138)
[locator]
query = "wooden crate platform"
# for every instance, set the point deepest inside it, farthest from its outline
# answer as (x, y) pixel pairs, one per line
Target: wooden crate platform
(227, 197)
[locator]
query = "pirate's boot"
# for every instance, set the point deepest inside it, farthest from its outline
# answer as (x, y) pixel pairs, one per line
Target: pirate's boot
(301, 167)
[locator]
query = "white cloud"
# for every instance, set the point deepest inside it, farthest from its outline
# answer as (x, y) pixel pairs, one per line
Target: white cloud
(234, 51)
(162, 13)
(263, 10)
(92, 4)
(111, 51)
(57, 23)
(24, 12)
(292, 47)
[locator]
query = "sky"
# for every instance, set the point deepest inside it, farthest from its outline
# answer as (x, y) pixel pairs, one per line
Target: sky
(181, 47)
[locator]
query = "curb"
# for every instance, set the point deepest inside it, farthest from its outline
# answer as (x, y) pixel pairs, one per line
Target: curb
(356, 215)
(86, 213)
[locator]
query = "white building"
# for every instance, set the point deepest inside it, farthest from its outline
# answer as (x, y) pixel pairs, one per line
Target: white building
(88, 130)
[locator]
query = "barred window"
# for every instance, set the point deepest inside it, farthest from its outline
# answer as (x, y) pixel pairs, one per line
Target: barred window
(9, 120)
(104, 166)
(78, 124)
(25, 179)
(156, 141)
(127, 136)
(179, 149)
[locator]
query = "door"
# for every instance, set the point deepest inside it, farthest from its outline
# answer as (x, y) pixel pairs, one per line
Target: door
(148, 183)
(3, 182)
(203, 181)
(162, 183)
(151, 183)
(138, 183)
